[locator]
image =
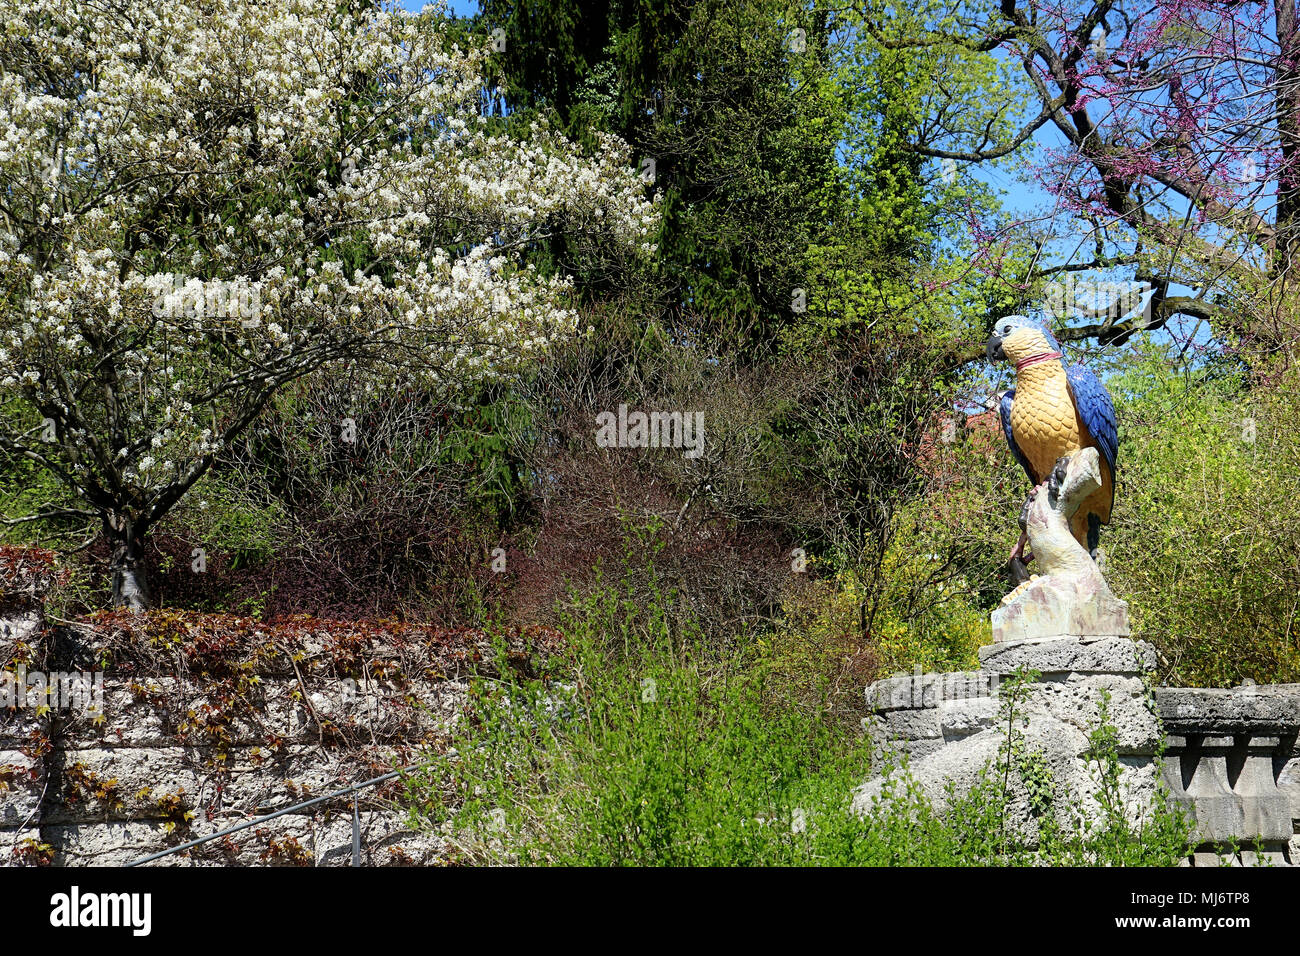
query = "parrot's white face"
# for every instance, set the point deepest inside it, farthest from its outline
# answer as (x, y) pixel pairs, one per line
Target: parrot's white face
(1024, 343)
(1012, 342)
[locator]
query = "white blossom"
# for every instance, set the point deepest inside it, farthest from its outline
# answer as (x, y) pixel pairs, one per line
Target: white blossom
(192, 173)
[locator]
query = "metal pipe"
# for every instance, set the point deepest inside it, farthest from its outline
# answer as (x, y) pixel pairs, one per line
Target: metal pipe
(270, 816)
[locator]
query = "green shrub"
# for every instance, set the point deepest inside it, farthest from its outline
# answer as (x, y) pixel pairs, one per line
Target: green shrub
(1205, 543)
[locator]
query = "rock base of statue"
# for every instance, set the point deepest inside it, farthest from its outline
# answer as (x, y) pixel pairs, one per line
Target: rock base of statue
(953, 728)
(1068, 598)
(1080, 607)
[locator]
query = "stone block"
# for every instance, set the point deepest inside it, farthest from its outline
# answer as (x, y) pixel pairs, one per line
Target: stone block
(106, 844)
(323, 839)
(1288, 782)
(1107, 655)
(1253, 709)
(386, 840)
(21, 847)
(1211, 857)
(158, 712)
(21, 625)
(22, 780)
(1269, 854)
(913, 724)
(247, 781)
(1077, 701)
(20, 726)
(893, 693)
(918, 691)
(961, 718)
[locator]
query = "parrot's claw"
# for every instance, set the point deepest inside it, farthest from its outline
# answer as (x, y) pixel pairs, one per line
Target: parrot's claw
(1016, 563)
(1017, 553)
(1017, 571)
(1056, 479)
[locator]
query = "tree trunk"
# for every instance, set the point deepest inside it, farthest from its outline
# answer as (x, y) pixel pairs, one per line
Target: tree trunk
(130, 587)
(1288, 128)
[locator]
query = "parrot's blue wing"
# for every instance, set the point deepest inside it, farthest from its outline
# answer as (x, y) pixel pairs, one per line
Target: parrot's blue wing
(1005, 410)
(1092, 402)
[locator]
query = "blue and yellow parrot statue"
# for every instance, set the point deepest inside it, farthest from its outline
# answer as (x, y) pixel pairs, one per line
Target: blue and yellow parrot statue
(1053, 412)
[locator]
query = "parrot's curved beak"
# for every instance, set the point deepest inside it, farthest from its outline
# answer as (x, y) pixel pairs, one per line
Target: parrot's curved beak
(993, 349)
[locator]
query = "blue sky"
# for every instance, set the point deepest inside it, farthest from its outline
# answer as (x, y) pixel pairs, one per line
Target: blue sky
(460, 8)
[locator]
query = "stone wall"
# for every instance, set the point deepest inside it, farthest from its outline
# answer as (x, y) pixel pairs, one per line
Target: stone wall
(1230, 756)
(135, 784)
(200, 722)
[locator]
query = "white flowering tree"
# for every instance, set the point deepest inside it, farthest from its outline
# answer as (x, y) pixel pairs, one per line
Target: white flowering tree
(203, 200)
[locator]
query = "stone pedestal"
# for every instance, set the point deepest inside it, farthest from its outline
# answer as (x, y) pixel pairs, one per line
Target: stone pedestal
(1231, 756)
(950, 726)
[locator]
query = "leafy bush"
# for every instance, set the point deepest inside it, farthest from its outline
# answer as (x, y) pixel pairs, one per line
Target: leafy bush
(1206, 539)
(831, 640)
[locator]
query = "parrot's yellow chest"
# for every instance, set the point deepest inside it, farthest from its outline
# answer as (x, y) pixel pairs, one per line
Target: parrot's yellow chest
(1043, 418)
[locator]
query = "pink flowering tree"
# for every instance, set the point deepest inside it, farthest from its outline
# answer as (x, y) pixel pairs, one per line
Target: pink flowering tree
(1164, 134)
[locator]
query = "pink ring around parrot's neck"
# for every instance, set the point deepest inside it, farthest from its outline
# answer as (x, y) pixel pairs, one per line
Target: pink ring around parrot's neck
(1035, 359)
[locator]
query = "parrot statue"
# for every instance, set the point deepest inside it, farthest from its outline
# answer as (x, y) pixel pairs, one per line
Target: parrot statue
(1052, 412)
